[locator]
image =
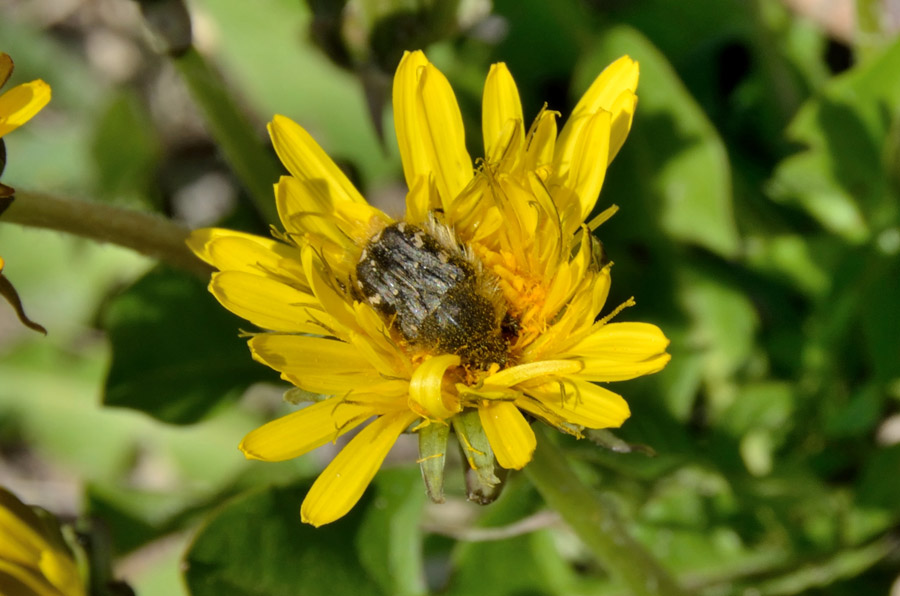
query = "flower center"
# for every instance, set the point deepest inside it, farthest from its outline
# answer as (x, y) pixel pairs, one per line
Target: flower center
(525, 294)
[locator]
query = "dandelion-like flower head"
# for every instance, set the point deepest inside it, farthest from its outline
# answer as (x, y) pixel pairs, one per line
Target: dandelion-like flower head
(477, 311)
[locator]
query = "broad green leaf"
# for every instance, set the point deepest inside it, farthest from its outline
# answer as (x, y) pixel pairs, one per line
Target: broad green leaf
(256, 545)
(879, 484)
(676, 163)
(882, 330)
(839, 178)
(176, 352)
(857, 414)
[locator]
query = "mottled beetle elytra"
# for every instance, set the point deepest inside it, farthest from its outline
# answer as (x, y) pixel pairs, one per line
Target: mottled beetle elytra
(438, 298)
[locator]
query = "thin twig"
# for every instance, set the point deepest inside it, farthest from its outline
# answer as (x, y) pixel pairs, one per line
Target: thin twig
(527, 525)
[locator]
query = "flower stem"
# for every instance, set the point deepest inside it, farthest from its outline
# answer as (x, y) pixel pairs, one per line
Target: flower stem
(596, 523)
(145, 233)
(252, 163)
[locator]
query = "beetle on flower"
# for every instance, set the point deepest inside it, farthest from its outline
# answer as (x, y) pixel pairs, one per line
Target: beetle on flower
(476, 311)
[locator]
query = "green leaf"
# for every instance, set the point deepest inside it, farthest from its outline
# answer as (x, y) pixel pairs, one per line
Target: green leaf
(124, 173)
(529, 563)
(767, 406)
(881, 328)
(176, 352)
(389, 539)
(880, 483)
(723, 326)
(840, 178)
(674, 159)
(256, 545)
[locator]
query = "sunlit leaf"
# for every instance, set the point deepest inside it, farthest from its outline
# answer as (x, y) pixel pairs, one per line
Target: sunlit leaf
(839, 177)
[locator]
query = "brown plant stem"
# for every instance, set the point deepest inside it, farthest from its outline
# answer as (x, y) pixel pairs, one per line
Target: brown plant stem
(148, 234)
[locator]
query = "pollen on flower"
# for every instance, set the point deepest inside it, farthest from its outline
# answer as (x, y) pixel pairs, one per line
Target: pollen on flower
(524, 292)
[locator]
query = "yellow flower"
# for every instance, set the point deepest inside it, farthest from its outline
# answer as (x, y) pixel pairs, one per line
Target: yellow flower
(21, 103)
(475, 311)
(17, 106)
(34, 560)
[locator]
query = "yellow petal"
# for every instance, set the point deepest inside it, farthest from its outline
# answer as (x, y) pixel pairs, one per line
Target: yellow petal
(580, 164)
(627, 342)
(60, 571)
(525, 372)
(305, 207)
(375, 342)
(6, 67)
(501, 105)
(322, 284)
(20, 536)
(319, 365)
(444, 136)
(270, 304)
(200, 240)
(416, 163)
(622, 112)
(307, 161)
(260, 257)
(342, 483)
(304, 430)
(21, 103)
(426, 388)
(578, 402)
(541, 141)
(421, 198)
(507, 150)
(429, 127)
(605, 94)
(23, 581)
(602, 370)
(509, 433)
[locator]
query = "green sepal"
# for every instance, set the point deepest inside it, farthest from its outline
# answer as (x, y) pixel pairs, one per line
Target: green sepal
(432, 456)
(484, 479)
(606, 439)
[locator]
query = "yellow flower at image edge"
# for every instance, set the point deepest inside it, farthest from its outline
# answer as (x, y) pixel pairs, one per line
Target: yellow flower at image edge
(17, 106)
(22, 102)
(477, 311)
(34, 560)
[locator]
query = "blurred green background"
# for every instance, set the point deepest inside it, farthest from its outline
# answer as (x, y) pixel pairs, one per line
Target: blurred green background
(759, 227)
